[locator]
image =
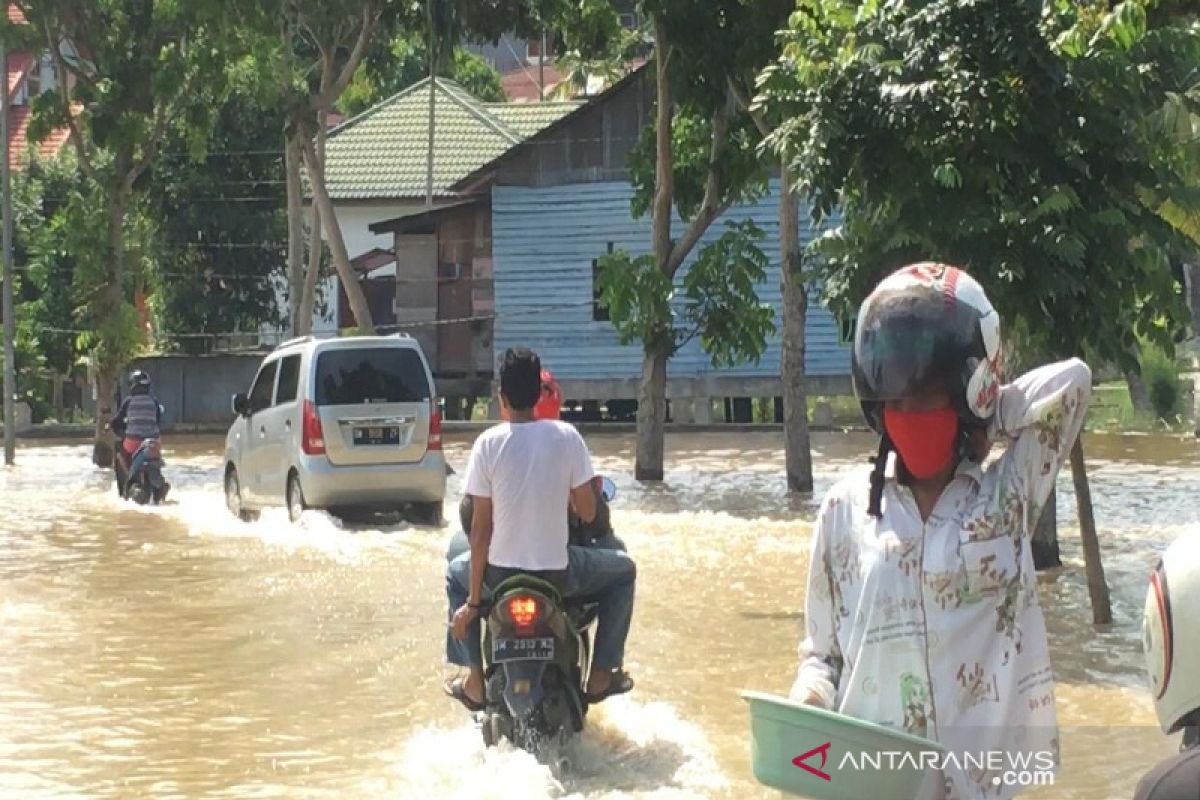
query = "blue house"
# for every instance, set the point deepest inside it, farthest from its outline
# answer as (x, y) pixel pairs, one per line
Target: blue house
(558, 200)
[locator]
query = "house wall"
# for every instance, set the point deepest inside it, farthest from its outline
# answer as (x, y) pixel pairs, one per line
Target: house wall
(544, 242)
(353, 219)
(592, 147)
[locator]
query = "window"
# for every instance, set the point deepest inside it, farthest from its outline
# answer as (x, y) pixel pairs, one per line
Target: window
(599, 310)
(260, 395)
(289, 380)
(371, 375)
(49, 73)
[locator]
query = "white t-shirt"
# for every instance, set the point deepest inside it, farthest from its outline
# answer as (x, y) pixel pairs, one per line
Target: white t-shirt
(528, 469)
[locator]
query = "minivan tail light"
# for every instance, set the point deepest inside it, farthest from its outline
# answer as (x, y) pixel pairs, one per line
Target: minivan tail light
(435, 428)
(312, 439)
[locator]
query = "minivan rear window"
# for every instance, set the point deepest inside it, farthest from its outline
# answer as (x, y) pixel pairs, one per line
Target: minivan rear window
(370, 375)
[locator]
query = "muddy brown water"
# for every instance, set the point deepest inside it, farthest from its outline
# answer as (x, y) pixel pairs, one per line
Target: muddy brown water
(176, 652)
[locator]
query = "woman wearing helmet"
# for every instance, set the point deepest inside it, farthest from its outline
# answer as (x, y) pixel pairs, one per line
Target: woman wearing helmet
(1171, 638)
(922, 607)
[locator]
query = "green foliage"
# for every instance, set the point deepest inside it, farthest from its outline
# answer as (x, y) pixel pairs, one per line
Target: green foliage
(719, 302)
(638, 297)
(404, 60)
(1029, 145)
(145, 65)
(722, 299)
(222, 224)
(1160, 372)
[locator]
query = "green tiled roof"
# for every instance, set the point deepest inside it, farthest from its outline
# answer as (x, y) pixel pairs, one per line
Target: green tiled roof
(527, 119)
(382, 152)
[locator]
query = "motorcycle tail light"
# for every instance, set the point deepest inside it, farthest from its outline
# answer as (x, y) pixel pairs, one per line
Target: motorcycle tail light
(523, 611)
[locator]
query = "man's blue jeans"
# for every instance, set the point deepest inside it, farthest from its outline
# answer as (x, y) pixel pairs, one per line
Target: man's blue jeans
(603, 571)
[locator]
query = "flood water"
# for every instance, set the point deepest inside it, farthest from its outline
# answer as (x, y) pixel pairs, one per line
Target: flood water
(176, 652)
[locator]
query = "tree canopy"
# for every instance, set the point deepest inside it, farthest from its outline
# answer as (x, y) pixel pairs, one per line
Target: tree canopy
(1034, 145)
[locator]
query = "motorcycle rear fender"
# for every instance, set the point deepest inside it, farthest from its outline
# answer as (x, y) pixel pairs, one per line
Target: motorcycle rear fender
(523, 686)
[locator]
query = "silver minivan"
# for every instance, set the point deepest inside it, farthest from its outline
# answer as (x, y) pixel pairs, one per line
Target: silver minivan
(341, 424)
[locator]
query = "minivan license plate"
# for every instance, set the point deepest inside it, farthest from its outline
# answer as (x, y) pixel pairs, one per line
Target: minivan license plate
(539, 649)
(377, 436)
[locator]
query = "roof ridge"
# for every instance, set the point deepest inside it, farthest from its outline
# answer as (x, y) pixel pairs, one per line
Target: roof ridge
(387, 101)
(477, 109)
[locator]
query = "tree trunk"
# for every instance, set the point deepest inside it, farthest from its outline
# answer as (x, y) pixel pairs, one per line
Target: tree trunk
(308, 299)
(106, 390)
(57, 379)
(652, 391)
(295, 227)
(1044, 543)
(1191, 282)
(1138, 395)
(316, 246)
(337, 245)
(109, 303)
(651, 415)
(798, 454)
(1097, 586)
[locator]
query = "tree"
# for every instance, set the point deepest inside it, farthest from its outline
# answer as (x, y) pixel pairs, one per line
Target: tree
(403, 61)
(318, 48)
(48, 307)
(321, 45)
(698, 158)
(1028, 147)
(128, 70)
(221, 230)
(755, 52)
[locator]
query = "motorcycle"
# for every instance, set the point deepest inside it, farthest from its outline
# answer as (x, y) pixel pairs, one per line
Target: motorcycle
(536, 656)
(141, 480)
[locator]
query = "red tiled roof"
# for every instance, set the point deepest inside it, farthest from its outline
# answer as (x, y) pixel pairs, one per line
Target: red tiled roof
(18, 131)
(14, 15)
(18, 63)
(521, 84)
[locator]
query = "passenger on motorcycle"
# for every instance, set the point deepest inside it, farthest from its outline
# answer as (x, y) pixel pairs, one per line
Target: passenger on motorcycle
(521, 477)
(1171, 639)
(922, 608)
(138, 417)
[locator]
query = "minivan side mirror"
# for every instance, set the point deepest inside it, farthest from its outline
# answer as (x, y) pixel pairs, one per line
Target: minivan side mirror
(241, 405)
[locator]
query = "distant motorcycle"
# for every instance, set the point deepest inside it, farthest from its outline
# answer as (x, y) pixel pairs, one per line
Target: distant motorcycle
(142, 479)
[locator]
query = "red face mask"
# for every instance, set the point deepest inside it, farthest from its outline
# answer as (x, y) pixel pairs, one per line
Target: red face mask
(924, 439)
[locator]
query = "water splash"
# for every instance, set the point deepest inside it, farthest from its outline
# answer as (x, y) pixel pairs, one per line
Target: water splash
(628, 750)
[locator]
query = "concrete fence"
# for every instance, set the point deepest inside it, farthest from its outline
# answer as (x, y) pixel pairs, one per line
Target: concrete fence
(195, 389)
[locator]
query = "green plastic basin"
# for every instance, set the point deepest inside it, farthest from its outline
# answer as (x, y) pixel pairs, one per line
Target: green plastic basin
(782, 730)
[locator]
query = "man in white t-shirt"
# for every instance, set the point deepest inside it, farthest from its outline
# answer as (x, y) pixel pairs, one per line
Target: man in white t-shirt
(521, 476)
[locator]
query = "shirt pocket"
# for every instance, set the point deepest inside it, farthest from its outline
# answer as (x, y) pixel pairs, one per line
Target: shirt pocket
(990, 565)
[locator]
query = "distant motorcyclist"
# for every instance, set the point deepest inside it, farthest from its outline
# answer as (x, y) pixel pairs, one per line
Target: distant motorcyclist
(138, 418)
(1171, 639)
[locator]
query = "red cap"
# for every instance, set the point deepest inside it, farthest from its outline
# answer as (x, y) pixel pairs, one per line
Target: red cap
(549, 405)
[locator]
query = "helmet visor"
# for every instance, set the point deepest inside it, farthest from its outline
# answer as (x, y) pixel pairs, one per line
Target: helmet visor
(913, 343)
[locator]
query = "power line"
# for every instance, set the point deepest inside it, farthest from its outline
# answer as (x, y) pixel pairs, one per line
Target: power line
(395, 327)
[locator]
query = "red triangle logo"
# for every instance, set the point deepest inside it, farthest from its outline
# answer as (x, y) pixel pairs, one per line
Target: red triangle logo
(800, 759)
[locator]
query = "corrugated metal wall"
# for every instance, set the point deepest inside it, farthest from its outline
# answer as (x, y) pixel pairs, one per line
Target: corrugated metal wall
(544, 241)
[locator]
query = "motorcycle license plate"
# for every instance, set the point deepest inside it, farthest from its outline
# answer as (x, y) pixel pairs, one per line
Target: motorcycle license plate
(535, 649)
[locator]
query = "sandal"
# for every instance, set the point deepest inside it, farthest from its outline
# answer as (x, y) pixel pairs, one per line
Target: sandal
(456, 688)
(620, 684)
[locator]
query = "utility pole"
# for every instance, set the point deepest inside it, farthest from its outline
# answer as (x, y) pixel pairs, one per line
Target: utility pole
(542, 68)
(10, 320)
(432, 99)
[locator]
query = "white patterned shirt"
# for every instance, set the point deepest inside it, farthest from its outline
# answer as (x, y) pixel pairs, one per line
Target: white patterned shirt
(934, 627)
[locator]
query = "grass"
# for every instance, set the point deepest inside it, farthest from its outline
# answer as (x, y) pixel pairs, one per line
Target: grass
(1112, 410)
